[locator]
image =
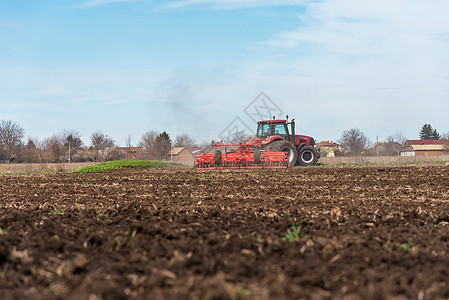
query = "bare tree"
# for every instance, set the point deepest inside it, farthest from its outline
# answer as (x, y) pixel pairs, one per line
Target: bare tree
(11, 135)
(204, 144)
(100, 143)
(32, 151)
(446, 137)
(148, 142)
(354, 141)
(398, 137)
(128, 141)
(388, 148)
(155, 146)
(72, 142)
(54, 148)
(238, 137)
(112, 153)
(185, 140)
(395, 143)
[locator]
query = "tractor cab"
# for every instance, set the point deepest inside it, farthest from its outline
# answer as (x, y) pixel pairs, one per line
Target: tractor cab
(273, 127)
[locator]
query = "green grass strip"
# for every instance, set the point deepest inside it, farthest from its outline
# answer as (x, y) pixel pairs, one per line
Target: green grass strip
(118, 164)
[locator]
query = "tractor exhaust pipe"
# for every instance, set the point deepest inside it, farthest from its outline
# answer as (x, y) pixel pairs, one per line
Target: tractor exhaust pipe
(292, 136)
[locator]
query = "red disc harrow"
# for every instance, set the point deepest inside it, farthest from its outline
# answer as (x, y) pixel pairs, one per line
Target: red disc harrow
(242, 158)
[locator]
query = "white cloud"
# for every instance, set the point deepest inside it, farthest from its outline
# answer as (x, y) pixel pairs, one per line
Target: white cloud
(374, 44)
(92, 3)
(368, 27)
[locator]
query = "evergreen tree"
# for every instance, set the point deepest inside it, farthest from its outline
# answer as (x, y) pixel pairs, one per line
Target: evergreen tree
(429, 133)
(164, 135)
(426, 132)
(162, 146)
(435, 135)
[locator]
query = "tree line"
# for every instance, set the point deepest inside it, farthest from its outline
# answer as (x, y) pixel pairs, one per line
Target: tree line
(356, 143)
(67, 146)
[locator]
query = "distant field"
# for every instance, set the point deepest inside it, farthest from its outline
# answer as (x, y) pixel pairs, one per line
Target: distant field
(384, 159)
(379, 160)
(18, 168)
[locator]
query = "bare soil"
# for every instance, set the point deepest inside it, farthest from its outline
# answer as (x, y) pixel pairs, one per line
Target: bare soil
(361, 233)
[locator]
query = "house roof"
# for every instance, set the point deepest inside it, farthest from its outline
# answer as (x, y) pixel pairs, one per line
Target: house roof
(428, 142)
(176, 150)
(429, 147)
(327, 144)
(409, 149)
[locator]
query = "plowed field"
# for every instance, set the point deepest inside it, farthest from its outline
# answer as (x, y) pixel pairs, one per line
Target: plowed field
(303, 233)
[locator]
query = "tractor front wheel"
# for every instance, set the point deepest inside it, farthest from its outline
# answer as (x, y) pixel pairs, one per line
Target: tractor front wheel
(308, 156)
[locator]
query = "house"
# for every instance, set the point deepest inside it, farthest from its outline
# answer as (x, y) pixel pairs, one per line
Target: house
(131, 152)
(428, 147)
(407, 152)
(181, 154)
(329, 149)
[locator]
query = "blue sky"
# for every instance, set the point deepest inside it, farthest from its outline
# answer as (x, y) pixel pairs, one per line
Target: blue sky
(192, 66)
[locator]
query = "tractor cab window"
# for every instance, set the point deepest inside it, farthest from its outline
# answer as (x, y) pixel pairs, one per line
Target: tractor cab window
(280, 129)
(264, 130)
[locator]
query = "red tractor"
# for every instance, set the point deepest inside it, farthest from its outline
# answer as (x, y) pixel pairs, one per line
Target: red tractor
(274, 146)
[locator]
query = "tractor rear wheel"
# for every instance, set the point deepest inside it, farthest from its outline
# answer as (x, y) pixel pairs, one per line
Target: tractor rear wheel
(285, 146)
(308, 156)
